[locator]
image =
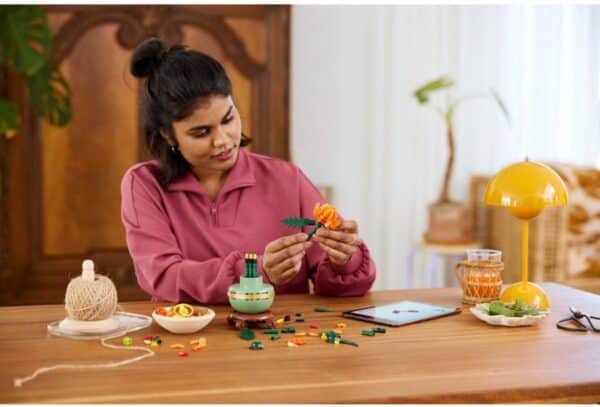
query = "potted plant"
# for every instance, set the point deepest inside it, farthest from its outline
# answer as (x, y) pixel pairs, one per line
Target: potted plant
(450, 221)
(25, 56)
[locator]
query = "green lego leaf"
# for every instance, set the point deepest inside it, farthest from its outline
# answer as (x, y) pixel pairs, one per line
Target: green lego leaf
(297, 222)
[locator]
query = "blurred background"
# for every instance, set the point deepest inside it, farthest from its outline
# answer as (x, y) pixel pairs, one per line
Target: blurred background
(365, 99)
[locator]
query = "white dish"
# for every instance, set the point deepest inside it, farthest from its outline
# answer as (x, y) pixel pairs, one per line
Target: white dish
(126, 322)
(185, 325)
(480, 313)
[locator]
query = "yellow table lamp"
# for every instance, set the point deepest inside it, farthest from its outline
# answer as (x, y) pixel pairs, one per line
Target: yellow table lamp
(525, 189)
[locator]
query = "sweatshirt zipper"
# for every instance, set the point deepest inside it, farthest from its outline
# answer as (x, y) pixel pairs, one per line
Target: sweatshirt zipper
(213, 214)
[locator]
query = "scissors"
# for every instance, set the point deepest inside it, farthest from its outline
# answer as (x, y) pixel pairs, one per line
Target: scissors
(575, 318)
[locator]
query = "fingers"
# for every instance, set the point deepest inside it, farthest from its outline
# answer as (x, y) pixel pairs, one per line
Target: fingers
(339, 244)
(285, 248)
(336, 256)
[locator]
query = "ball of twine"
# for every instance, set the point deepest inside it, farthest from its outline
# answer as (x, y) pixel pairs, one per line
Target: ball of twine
(91, 300)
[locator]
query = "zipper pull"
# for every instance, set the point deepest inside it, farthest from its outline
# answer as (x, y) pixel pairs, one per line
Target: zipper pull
(213, 213)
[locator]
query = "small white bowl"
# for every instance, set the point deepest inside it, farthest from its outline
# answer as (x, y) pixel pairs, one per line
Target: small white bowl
(186, 325)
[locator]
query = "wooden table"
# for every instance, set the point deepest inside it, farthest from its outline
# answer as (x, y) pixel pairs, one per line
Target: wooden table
(452, 359)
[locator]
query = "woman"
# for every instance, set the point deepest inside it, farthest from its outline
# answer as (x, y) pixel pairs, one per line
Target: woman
(191, 214)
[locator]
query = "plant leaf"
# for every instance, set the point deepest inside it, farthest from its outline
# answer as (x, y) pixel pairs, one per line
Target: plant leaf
(295, 222)
(501, 104)
(25, 38)
(422, 93)
(9, 117)
(49, 92)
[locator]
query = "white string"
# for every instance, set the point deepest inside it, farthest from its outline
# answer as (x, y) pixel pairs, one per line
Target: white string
(19, 381)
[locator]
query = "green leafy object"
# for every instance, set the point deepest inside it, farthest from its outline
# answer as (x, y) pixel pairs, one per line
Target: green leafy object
(422, 93)
(501, 104)
(49, 92)
(25, 38)
(297, 222)
(9, 117)
(498, 308)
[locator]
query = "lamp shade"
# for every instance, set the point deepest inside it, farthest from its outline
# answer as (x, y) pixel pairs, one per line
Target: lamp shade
(525, 189)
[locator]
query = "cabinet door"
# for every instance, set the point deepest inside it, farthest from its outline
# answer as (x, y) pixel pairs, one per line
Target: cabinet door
(70, 207)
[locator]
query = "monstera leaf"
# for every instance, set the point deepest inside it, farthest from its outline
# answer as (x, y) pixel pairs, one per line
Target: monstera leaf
(26, 39)
(49, 92)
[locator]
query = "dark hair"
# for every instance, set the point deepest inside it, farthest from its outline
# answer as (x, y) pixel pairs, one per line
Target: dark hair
(176, 80)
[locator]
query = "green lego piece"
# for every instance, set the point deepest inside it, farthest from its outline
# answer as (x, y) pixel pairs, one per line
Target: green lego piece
(367, 332)
(246, 334)
(257, 345)
(271, 331)
(348, 342)
(275, 337)
(378, 329)
(299, 319)
(288, 330)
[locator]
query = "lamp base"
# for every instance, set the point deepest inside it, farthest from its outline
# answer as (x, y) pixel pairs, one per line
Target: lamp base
(531, 293)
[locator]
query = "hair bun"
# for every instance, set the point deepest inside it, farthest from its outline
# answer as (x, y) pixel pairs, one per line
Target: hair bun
(146, 57)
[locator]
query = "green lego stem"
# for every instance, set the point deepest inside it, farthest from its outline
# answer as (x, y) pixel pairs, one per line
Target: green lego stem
(348, 342)
(313, 231)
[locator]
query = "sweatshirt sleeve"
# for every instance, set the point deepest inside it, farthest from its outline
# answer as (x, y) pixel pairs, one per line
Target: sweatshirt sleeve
(351, 279)
(160, 267)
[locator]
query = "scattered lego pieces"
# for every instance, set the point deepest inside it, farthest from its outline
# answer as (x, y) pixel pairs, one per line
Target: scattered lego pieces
(298, 341)
(246, 334)
(198, 344)
(275, 337)
(154, 344)
(336, 340)
(298, 314)
(378, 329)
(299, 319)
(128, 341)
(256, 345)
(313, 326)
(341, 325)
(300, 334)
(367, 332)
(182, 353)
(157, 340)
(287, 318)
(177, 346)
(291, 344)
(348, 342)
(280, 321)
(313, 334)
(147, 341)
(288, 330)
(338, 331)
(271, 331)
(329, 336)
(323, 309)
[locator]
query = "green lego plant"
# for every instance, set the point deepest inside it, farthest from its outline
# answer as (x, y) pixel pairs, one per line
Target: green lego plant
(422, 94)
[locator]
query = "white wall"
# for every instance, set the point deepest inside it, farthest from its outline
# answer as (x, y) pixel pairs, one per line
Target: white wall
(356, 126)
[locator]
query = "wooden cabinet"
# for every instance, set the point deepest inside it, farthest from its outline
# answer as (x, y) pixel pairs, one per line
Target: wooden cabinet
(61, 197)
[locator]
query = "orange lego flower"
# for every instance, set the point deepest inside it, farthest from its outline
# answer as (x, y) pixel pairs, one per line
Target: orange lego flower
(327, 215)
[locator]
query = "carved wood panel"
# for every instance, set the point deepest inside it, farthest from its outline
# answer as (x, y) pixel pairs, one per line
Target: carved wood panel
(62, 186)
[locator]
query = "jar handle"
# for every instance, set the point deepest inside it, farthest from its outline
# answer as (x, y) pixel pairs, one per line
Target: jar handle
(458, 270)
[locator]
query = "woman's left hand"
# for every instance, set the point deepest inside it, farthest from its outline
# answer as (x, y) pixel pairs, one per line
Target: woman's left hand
(339, 244)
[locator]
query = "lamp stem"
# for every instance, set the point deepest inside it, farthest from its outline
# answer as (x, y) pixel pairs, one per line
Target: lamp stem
(525, 251)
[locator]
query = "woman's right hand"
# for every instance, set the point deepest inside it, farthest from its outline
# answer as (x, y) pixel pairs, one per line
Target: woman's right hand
(283, 257)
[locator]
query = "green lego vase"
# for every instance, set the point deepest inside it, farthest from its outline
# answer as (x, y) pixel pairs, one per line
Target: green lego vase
(251, 295)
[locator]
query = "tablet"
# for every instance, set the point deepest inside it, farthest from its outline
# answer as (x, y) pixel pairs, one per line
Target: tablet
(400, 313)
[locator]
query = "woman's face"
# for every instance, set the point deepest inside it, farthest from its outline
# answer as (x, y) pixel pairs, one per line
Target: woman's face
(209, 138)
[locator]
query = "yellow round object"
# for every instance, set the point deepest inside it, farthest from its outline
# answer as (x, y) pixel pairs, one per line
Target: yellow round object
(531, 293)
(183, 310)
(525, 189)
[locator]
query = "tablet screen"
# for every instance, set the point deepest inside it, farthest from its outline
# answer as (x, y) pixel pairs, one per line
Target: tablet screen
(401, 313)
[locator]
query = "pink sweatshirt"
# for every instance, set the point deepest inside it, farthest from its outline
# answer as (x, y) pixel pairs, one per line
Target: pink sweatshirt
(187, 248)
